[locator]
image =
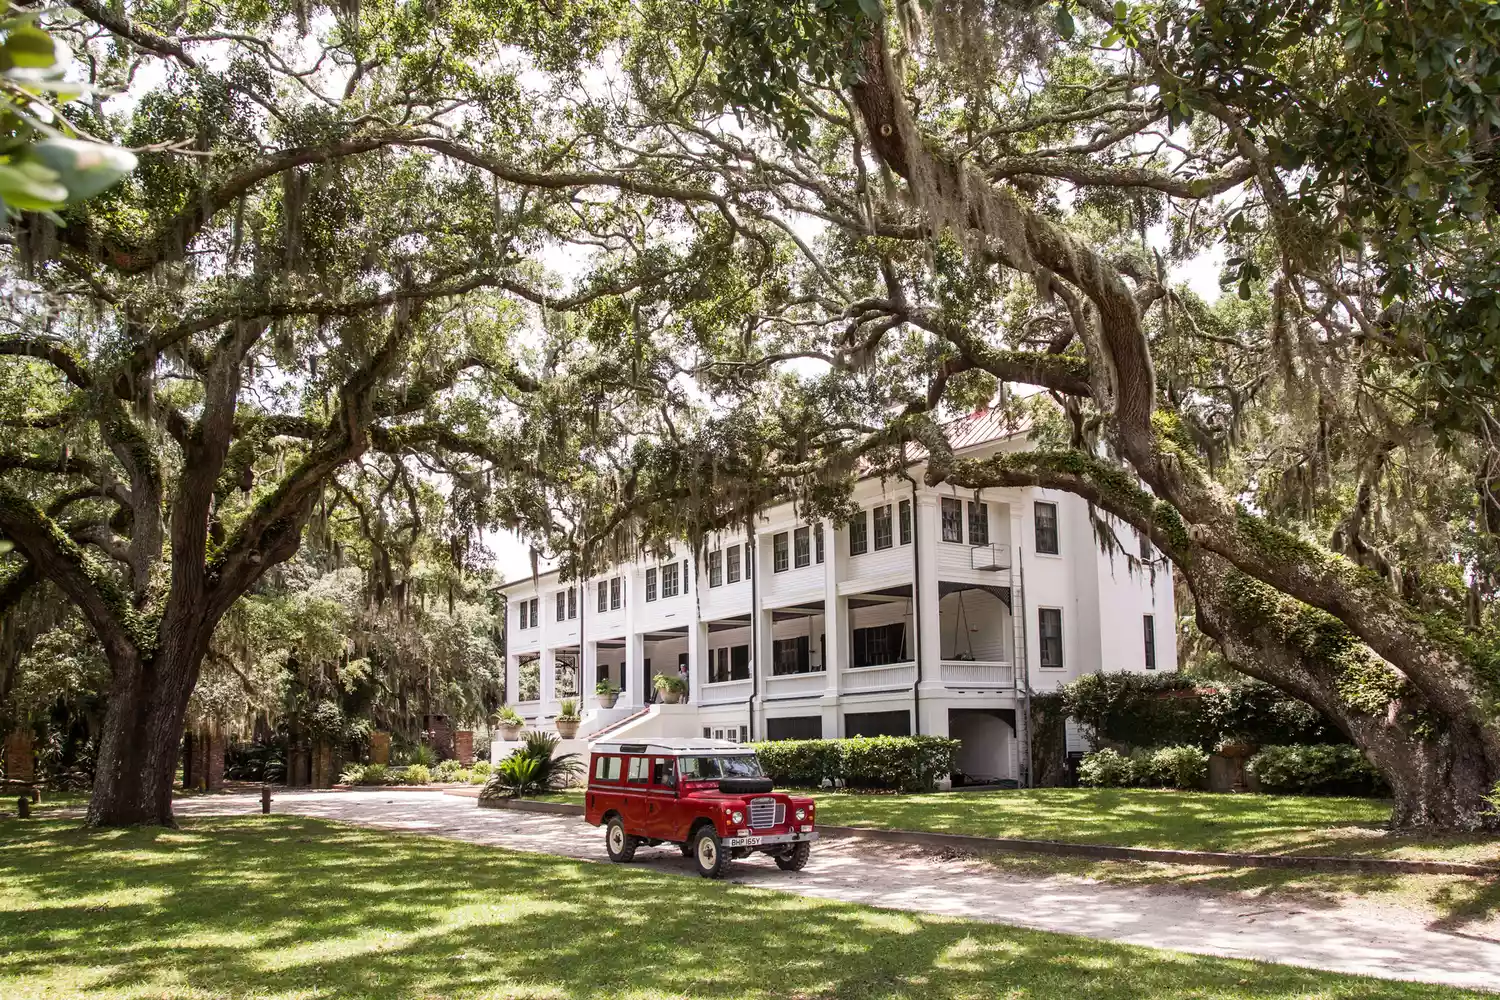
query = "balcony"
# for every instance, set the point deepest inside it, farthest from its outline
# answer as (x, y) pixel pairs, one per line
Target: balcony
(885, 677)
(977, 674)
(989, 558)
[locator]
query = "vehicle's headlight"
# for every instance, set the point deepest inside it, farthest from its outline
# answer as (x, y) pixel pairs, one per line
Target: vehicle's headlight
(801, 814)
(737, 816)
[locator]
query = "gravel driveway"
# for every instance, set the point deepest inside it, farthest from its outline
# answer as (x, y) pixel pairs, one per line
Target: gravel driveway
(1337, 939)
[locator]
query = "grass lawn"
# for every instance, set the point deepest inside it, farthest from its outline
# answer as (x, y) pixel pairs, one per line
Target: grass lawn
(284, 907)
(1137, 817)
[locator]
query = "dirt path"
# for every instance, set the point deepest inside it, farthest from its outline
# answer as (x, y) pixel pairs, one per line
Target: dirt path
(1340, 939)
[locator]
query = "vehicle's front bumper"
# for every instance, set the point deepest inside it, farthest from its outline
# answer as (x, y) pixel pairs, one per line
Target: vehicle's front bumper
(766, 840)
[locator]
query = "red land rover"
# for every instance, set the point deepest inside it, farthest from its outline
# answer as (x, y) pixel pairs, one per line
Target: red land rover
(709, 797)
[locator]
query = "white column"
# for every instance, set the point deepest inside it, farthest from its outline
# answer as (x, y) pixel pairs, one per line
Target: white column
(835, 620)
(635, 658)
(697, 658)
(548, 669)
(1014, 574)
(925, 611)
(512, 678)
(588, 670)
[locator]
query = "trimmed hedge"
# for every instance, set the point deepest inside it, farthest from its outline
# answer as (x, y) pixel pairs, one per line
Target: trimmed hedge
(1184, 767)
(1152, 710)
(899, 763)
(1317, 770)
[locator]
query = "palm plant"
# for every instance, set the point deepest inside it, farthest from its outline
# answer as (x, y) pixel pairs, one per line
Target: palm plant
(533, 769)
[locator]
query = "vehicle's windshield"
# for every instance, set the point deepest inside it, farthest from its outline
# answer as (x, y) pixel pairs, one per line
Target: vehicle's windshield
(708, 768)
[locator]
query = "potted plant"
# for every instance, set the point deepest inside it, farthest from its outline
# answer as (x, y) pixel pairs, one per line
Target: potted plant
(672, 688)
(509, 722)
(607, 693)
(567, 719)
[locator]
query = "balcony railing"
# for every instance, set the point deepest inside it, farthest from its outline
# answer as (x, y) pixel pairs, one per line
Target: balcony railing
(879, 678)
(790, 684)
(991, 558)
(722, 693)
(977, 674)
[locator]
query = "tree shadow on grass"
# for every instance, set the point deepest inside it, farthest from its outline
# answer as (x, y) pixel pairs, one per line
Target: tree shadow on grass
(279, 906)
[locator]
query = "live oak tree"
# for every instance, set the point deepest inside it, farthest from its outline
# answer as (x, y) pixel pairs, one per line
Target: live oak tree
(330, 254)
(1316, 454)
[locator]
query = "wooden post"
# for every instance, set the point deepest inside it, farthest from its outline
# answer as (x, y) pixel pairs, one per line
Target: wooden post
(265, 800)
(23, 807)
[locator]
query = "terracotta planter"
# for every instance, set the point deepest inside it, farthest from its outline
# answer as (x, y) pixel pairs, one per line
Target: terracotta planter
(608, 700)
(510, 733)
(567, 729)
(671, 697)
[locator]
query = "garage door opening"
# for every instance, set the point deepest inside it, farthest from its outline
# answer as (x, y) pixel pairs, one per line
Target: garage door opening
(988, 754)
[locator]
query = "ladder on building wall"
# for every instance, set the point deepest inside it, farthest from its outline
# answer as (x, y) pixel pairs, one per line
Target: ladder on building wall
(1019, 676)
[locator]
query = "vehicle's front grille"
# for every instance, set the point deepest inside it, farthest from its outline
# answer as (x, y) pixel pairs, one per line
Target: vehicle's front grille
(762, 813)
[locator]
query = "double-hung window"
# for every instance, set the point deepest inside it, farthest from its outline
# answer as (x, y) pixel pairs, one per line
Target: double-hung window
(687, 571)
(790, 656)
(739, 663)
(779, 563)
(884, 539)
(562, 604)
(732, 564)
(1049, 630)
(878, 644)
(859, 534)
(615, 586)
(904, 517)
(802, 547)
(817, 531)
(669, 580)
(603, 596)
(1046, 528)
(716, 568)
(651, 584)
(979, 523)
(572, 602)
(1149, 623)
(953, 519)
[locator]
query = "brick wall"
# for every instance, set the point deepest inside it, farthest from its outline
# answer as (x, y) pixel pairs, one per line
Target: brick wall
(20, 764)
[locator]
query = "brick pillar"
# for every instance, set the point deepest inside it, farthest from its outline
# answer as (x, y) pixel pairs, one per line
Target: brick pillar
(440, 735)
(298, 768)
(463, 746)
(322, 765)
(20, 764)
(195, 761)
(380, 748)
(213, 771)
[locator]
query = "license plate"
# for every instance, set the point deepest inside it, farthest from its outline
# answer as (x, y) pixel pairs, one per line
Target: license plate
(752, 841)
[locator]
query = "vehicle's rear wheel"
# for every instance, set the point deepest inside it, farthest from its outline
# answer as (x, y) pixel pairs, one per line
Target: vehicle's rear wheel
(796, 859)
(708, 854)
(620, 845)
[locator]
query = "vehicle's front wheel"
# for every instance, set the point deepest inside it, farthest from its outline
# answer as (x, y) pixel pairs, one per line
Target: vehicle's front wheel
(620, 845)
(796, 859)
(708, 853)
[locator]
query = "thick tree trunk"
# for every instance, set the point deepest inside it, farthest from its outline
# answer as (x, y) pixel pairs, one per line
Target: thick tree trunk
(1441, 783)
(143, 726)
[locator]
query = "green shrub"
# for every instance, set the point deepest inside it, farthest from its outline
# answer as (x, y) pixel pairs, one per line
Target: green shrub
(532, 769)
(375, 774)
(508, 716)
(567, 711)
(1316, 770)
(478, 777)
(1184, 767)
(1152, 710)
(417, 774)
(481, 768)
(904, 763)
(1105, 769)
(447, 770)
(354, 774)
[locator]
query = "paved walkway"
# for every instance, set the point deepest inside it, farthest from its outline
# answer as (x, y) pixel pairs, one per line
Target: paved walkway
(1338, 939)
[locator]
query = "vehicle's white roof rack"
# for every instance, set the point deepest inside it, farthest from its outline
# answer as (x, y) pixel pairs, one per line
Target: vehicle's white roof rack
(671, 746)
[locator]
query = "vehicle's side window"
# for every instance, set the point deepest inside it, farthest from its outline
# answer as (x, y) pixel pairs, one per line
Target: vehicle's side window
(663, 774)
(640, 769)
(607, 769)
